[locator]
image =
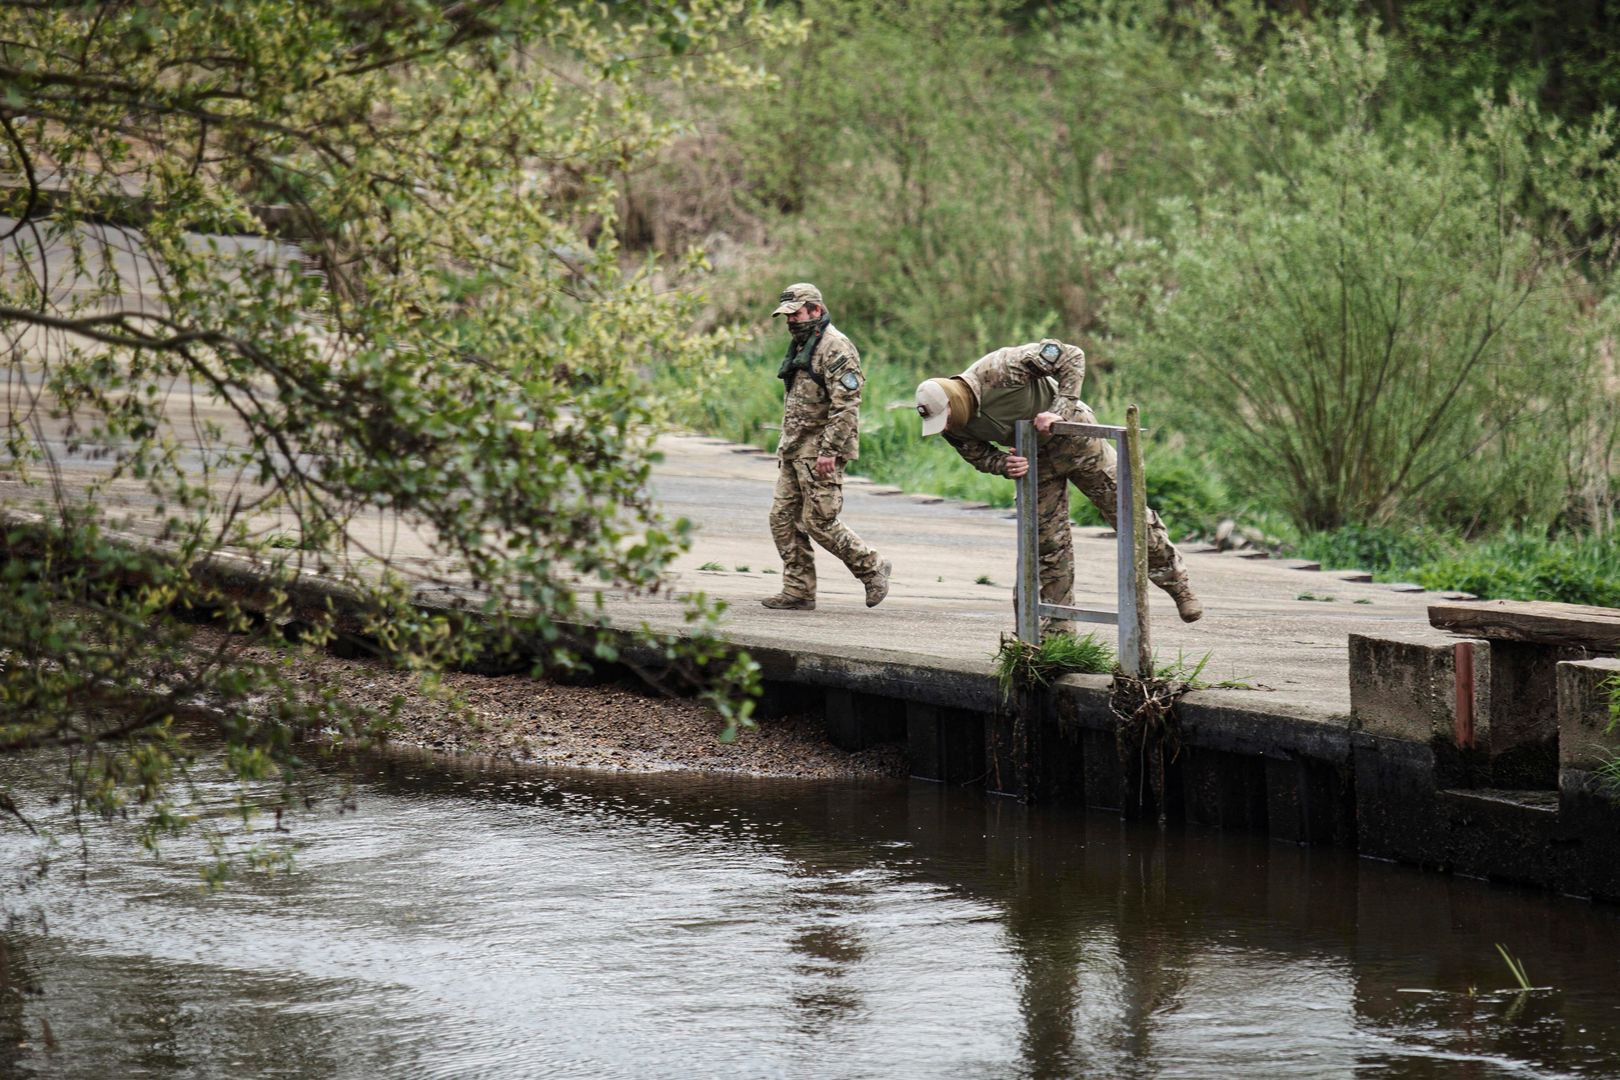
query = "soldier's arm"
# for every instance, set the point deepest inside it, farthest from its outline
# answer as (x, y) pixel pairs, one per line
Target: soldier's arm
(979, 454)
(1065, 363)
(842, 370)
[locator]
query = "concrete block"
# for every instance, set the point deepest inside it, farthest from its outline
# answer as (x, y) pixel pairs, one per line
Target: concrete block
(1524, 713)
(1584, 741)
(1406, 687)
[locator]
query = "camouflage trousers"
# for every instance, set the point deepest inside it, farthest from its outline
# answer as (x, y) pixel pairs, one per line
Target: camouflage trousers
(806, 507)
(1090, 466)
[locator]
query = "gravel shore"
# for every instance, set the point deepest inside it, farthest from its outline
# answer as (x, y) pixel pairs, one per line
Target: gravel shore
(610, 726)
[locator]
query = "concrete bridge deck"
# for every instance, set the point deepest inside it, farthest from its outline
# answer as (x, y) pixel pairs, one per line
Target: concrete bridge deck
(1256, 627)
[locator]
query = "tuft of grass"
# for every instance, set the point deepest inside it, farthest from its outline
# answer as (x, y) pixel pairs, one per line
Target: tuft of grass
(1515, 967)
(1018, 663)
(740, 569)
(1363, 600)
(711, 565)
(1313, 596)
(767, 570)
(983, 579)
(1179, 670)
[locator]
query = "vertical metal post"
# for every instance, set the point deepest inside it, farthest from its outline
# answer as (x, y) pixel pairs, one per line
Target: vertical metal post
(1125, 531)
(1027, 595)
(1140, 647)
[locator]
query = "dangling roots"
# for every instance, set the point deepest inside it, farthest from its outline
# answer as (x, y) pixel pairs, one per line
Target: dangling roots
(1146, 728)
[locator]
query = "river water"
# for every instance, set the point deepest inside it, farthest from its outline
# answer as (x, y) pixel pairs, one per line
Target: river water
(477, 920)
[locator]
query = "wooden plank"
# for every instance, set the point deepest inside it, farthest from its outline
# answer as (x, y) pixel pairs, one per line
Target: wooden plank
(1537, 622)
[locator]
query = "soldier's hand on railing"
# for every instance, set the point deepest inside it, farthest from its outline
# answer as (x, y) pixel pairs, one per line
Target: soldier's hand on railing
(1045, 420)
(1018, 466)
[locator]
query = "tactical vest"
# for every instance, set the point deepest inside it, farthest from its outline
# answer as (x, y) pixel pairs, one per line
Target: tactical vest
(1001, 407)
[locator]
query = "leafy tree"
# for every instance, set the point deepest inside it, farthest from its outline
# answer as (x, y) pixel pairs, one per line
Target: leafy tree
(324, 287)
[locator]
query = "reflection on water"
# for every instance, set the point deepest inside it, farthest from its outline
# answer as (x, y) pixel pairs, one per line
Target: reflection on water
(490, 921)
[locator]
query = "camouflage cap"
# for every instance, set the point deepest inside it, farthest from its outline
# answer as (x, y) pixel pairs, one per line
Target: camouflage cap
(933, 405)
(797, 295)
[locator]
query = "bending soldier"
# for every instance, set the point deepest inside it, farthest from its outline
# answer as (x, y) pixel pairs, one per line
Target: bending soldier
(979, 409)
(820, 433)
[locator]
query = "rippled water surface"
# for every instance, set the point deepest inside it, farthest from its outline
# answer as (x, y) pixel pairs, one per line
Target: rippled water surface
(486, 921)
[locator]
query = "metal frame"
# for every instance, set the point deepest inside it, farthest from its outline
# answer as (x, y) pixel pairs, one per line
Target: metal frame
(1131, 616)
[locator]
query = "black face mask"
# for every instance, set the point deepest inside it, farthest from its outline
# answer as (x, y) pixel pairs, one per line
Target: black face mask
(805, 334)
(802, 330)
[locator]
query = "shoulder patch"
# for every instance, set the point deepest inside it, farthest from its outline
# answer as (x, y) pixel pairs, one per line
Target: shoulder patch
(850, 381)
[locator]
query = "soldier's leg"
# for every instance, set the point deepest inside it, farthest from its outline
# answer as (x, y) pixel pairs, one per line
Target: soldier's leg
(1055, 544)
(823, 502)
(1091, 464)
(787, 529)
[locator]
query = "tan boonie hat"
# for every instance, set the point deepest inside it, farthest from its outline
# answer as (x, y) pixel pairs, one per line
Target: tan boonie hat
(795, 296)
(933, 405)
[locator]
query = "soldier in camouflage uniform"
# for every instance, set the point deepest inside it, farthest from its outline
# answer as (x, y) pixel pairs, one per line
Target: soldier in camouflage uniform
(1041, 382)
(820, 433)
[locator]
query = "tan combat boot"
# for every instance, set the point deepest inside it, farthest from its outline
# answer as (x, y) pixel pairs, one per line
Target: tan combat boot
(784, 602)
(877, 586)
(1188, 606)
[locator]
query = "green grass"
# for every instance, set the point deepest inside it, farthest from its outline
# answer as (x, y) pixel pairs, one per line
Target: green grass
(1180, 670)
(711, 565)
(1516, 968)
(1018, 663)
(1313, 596)
(1510, 566)
(983, 579)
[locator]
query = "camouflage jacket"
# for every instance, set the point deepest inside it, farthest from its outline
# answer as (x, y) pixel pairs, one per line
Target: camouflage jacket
(825, 421)
(990, 376)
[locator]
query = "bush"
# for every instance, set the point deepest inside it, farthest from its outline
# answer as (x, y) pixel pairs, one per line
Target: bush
(1373, 325)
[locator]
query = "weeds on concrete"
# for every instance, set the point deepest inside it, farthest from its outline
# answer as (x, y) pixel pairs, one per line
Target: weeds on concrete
(711, 565)
(1313, 596)
(1019, 663)
(983, 579)
(1180, 671)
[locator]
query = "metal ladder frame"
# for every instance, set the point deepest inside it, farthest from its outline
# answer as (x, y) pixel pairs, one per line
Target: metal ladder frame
(1131, 616)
